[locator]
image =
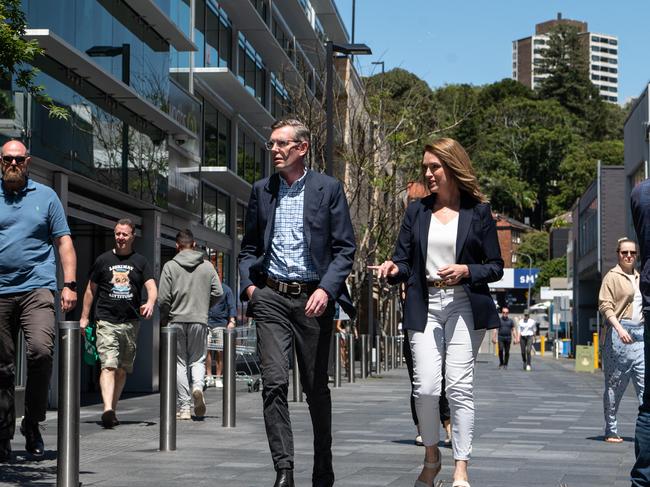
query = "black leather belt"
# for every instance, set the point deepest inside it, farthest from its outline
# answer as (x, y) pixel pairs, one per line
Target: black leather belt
(291, 288)
(438, 283)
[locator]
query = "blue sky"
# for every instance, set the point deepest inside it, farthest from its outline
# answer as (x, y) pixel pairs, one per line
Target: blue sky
(470, 41)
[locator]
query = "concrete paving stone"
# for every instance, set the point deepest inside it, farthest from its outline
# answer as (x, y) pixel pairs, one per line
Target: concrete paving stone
(532, 429)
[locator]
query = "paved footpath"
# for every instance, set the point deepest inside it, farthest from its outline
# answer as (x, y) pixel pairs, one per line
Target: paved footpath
(539, 428)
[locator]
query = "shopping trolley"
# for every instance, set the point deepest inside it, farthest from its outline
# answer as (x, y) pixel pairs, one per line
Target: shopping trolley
(245, 351)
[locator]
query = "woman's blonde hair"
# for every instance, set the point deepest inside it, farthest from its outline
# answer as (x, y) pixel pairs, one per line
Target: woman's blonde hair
(622, 241)
(454, 156)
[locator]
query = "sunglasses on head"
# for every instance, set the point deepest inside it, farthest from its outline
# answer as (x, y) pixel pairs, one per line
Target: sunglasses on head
(627, 252)
(7, 160)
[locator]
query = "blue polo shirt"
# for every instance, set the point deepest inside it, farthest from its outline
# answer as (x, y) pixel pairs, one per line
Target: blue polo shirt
(29, 221)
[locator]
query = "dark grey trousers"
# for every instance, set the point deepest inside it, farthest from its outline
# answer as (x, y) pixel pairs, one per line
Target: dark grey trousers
(279, 318)
(32, 311)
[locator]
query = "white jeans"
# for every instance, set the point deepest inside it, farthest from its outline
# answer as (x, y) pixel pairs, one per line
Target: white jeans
(449, 336)
(191, 349)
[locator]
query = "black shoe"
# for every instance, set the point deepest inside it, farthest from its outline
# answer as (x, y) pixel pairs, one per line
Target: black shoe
(109, 420)
(284, 478)
(5, 451)
(33, 439)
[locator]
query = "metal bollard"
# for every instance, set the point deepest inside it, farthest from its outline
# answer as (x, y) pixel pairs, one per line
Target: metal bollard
(394, 353)
(337, 360)
(229, 379)
(297, 385)
(385, 354)
(69, 402)
(351, 358)
(364, 356)
(168, 388)
(378, 354)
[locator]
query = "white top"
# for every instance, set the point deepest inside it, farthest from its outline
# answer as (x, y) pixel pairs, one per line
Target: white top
(637, 303)
(527, 327)
(441, 250)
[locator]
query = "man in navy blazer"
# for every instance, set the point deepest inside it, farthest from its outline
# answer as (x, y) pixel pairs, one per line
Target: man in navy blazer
(297, 251)
(640, 202)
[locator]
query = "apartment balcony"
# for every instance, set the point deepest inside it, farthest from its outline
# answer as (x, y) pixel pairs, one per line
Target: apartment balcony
(303, 29)
(222, 84)
(331, 19)
(161, 31)
(74, 68)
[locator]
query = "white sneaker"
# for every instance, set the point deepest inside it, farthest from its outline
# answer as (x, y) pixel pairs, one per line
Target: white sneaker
(184, 415)
(218, 383)
(209, 381)
(528, 368)
(199, 403)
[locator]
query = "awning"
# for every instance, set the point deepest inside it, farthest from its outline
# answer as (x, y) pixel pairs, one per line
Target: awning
(74, 68)
(159, 31)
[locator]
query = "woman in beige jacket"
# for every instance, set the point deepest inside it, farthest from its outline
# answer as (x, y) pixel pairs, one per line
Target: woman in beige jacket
(619, 301)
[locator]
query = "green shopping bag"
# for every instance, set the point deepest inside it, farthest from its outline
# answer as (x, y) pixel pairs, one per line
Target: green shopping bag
(90, 344)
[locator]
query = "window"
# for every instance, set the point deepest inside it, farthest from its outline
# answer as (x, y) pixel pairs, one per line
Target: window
(216, 147)
(262, 9)
(216, 210)
(252, 73)
(280, 101)
(241, 221)
(212, 35)
(285, 41)
(250, 158)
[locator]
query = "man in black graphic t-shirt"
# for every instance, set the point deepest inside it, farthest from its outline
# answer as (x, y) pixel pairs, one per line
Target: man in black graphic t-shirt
(115, 284)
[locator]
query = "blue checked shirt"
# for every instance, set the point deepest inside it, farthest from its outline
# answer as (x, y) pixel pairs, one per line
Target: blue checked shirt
(289, 258)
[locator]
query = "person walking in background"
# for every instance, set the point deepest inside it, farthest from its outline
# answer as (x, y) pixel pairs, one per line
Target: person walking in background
(32, 225)
(189, 287)
(222, 315)
(115, 285)
(526, 338)
(297, 251)
(620, 303)
(447, 252)
(504, 336)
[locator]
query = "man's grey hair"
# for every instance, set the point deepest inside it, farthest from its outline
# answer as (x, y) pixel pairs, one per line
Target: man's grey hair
(302, 131)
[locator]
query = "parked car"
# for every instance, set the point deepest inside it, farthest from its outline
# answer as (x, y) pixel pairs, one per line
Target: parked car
(543, 323)
(543, 306)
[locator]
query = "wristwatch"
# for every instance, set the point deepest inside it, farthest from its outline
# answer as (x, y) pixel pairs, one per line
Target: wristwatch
(71, 285)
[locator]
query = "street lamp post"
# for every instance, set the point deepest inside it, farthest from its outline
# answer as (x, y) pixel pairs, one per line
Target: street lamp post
(331, 48)
(125, 51)
(530, 265)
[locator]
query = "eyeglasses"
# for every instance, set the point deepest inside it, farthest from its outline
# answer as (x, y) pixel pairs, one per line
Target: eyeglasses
(627, 252)
(269, 144)
(20, 160)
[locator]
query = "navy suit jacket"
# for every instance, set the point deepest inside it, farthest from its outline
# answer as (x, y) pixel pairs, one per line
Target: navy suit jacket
(640, 203)
(328, 232)
(477, 246)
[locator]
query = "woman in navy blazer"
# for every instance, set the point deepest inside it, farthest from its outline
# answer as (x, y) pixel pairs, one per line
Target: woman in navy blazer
(447, 252)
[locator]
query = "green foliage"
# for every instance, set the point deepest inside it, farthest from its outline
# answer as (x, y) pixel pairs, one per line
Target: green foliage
(578, 170)
(550, 268)
(535, 245)
(16, 53)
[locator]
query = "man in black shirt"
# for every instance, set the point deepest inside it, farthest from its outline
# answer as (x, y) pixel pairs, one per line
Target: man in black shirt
(505, 334)
(116, 281)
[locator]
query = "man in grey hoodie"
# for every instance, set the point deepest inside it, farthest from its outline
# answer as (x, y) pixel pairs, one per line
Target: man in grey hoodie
(189, 286)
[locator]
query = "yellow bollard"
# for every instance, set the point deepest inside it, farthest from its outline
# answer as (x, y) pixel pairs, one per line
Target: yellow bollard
(496, 349)
(542, 345)
(596, 345)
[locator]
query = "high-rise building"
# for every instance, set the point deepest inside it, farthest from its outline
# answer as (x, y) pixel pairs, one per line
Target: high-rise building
(170, 103)
(601, 51)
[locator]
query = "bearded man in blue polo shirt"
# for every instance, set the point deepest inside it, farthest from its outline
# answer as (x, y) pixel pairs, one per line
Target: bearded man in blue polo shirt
(32, 223)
